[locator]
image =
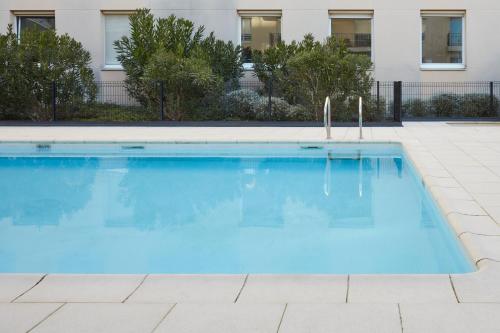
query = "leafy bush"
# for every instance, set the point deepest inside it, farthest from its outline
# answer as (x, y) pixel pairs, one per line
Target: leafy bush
(477, 105)
(308, 71)
(280, 109)
(415, 108)
(445, 105)
(28, 66)
(187, 80)
(241, 104)
(201, 64)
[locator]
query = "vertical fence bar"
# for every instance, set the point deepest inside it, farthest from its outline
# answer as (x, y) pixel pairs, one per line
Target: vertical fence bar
(270, 104)
(492, 111)
(53, 98)
(378, 97)
(162, 98)
(398, 100)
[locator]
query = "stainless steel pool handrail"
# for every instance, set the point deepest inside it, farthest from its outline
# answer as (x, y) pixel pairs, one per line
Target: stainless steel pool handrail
(327, 118)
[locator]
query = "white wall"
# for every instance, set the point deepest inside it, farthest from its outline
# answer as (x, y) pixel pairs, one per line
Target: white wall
(396, 28)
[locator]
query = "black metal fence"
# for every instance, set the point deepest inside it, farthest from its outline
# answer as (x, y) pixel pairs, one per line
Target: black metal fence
(251, 99)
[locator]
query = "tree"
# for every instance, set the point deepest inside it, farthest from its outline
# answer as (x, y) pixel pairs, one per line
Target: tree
(28, 67)
(308, 71)
(184, 46)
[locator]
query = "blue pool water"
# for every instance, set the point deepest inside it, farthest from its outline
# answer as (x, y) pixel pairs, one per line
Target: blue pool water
(219, 209)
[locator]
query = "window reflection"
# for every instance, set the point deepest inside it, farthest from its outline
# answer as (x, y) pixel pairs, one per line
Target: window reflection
(259, 33)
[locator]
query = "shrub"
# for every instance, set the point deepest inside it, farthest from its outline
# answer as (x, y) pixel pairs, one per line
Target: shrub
(280, 109)
(29, 65)
(477, 105)
(180, 43)
(308, 71)
(300, 113)
(415, 108)
(241, 104)
(445, 105)
(187, 80)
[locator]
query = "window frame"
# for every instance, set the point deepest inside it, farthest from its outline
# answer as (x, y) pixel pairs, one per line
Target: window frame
(31, 14)
(249, 66)
(442, 66)
(106, 13)
(364, 14)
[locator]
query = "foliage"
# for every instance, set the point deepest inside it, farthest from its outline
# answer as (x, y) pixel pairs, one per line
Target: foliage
(415, 108)
(200, 60)
(306, 72)
(445, 105)
(241, 103)
(28, 67)
(186, 81)
(477, 105)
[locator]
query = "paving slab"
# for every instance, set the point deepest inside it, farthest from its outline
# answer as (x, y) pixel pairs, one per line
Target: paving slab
(450, 318)
(339, 318)
(83, 288)
(14, 285)
(105, 318)
(223, 318)
(465, 207)
(188, 288)
(400, 288)
(474, 224)
(481, 246)
(481, 286)
(295, 289)
(20, 318)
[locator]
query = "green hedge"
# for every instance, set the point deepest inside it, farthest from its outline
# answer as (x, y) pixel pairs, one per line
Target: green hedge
(451, 105)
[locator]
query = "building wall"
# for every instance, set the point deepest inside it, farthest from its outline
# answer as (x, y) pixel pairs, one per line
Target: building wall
(396, 28)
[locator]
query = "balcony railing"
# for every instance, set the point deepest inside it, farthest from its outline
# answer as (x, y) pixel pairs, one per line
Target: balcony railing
(355, 39)
(454, 39)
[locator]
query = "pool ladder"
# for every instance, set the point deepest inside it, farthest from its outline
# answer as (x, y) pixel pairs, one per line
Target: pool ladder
(327, 118)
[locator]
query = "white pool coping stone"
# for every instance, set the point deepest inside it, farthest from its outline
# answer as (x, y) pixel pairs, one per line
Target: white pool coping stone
(459, 165)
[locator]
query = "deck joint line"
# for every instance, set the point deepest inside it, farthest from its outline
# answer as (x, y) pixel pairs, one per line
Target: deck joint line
(453, 288)
(33, 286)
(282, 316)
(241, 289)
(348, 285)
(135, 289)
(400, 318)
(45, 318)
(163, 318)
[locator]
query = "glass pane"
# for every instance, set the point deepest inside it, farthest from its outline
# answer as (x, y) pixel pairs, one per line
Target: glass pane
(259, 33)
(117, 26)
(442, 40)
(41, 23)
(355, 32)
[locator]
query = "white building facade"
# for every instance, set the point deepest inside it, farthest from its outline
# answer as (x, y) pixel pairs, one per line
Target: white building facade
(419, 40)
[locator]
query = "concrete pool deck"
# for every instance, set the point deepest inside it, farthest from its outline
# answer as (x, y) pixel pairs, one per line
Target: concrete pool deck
(459, 164)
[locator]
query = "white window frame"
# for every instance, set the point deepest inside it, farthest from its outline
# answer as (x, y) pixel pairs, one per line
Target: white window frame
(355, 15)
(18, 14)
(249, 66)
(105, 13)
(442, 66)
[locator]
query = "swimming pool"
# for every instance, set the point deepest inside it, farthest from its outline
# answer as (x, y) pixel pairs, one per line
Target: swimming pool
(219, 208)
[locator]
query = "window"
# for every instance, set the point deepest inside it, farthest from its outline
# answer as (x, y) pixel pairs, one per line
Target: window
(35, 22)
(355, 29)
(116, 26)
(442, 41)
(259, 33)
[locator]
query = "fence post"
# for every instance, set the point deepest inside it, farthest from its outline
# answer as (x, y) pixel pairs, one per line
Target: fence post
(269, 104)
(53, 100)
(162, 98)
(492, 111)
(378, 97)
(398, 100)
